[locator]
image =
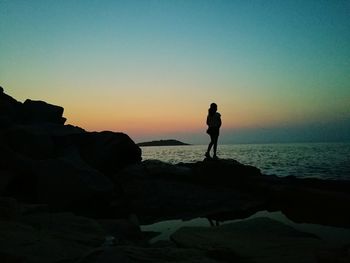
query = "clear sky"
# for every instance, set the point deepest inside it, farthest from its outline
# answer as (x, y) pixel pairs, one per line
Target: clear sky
(278, 70)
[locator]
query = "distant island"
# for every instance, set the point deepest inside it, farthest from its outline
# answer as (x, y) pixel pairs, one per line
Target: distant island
(162, 143)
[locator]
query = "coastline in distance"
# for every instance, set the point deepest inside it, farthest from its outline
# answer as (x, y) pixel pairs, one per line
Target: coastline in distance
(170, 142)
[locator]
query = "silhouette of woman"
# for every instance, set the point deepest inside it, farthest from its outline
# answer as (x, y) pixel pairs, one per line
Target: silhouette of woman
(214, 124)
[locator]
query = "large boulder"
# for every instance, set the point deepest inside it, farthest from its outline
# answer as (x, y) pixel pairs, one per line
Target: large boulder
(36, 141)
(306, 204)
(158, 191)
(226, 172)
(12, 111)
(105, 151)
(64, 182)
(40, 111)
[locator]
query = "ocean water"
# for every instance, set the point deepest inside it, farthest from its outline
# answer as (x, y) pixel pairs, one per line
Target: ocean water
(318, 160)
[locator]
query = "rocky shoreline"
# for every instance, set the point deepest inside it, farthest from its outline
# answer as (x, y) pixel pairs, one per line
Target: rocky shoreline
(68, 195)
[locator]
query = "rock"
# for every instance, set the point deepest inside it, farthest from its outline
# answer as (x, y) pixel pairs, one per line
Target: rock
(255, 240)
(14, 173)
(9, 110)
(49, 238)
(32, 142)
(106, 255)
(29, 209)
(9, 209)
(14, 112)
(68, 226)
(129, 254)
(28, 142)
(227, 172)
(160, 191)
(65, 182)
(123, 230)
(51, 129)
(6, 177)
(41, 112)
(106, 151)
(66, 185)
(313, 205)
(166, 170)
(9, 258)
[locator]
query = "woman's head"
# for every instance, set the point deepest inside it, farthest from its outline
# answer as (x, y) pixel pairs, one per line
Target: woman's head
(213, 108)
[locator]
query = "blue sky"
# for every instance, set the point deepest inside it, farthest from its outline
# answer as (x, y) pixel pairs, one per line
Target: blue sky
(151, 68)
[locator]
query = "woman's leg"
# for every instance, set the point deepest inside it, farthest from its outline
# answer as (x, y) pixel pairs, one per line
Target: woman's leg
(215, 143)
(210, 145)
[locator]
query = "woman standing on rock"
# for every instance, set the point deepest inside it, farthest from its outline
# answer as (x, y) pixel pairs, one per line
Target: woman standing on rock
(214, 124)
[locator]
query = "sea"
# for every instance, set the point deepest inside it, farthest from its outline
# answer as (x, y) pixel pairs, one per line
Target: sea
(303, 160)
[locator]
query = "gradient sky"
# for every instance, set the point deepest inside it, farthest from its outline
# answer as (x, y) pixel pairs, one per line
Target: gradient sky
(278, 70)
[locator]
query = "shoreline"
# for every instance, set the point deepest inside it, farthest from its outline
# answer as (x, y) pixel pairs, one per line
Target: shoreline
(78, 195)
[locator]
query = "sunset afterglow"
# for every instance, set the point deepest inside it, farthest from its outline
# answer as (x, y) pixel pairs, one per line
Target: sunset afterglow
(151, 68)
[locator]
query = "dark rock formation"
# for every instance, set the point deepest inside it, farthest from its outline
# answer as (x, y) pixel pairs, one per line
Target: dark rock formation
(225, 189)
(132, 254)
(159, 191)
(27, 142)
(40, 111)
(48, 238)
(105, 151)
(65, 185)
(47, 168)
(44, 161)
(162, 143)
(9, 109)
(12, 111)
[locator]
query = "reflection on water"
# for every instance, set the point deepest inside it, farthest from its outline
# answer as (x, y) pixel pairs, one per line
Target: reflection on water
(335, 235)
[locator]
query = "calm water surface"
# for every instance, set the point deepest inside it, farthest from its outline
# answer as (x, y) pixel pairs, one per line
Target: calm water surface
(321, 160)
(334, 235)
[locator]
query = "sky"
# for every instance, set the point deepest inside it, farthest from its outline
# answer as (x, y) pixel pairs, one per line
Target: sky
(278, 70)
